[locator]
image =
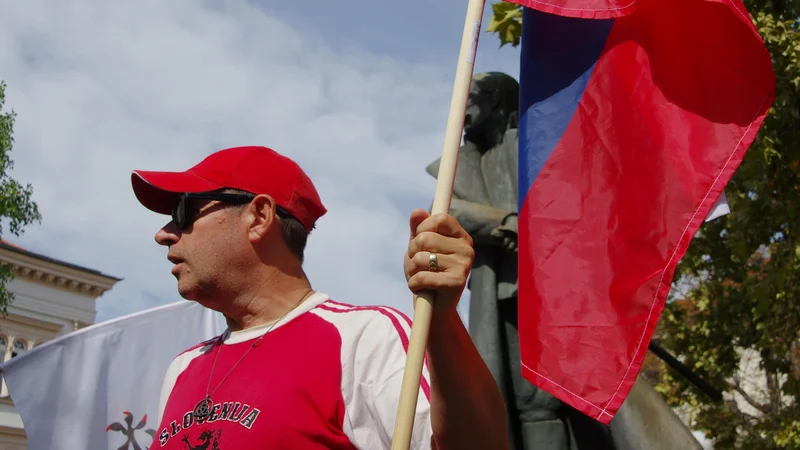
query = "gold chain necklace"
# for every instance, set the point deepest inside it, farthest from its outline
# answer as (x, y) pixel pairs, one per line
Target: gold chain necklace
(203, 408)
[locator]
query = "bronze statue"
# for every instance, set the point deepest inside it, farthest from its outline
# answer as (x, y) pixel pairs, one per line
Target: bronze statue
(485, 202)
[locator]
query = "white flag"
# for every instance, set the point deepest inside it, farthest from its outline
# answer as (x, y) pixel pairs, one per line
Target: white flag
(719, 209)
(98, 388)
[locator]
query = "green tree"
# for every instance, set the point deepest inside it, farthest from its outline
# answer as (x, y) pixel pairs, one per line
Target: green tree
(736, 297)
(17, 209)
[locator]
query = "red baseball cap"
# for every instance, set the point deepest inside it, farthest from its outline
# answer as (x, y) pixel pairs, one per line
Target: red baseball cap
(258, 170)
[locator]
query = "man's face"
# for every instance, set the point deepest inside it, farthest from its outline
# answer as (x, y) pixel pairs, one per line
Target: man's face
(479, 108)
(204, 253)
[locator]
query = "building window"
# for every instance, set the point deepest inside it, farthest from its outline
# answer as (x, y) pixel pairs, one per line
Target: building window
(20, 347)
(3, 348)
(3, 352)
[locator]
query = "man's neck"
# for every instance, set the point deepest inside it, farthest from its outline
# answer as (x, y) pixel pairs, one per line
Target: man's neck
(267, 302)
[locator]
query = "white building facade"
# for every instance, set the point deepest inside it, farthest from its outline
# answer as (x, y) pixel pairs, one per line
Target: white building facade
(51, 298)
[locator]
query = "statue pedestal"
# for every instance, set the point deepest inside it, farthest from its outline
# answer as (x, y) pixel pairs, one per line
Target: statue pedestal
(646, 422)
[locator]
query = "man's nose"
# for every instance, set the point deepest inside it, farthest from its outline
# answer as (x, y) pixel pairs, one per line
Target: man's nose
(168, 234)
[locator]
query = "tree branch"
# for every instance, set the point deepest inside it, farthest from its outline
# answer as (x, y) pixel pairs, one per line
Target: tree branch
(773, 385)
(764, 409)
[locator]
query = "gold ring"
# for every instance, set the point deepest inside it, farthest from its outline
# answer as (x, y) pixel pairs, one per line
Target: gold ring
(433, 264)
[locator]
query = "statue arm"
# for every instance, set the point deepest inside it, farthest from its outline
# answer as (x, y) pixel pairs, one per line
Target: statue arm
(479, 220)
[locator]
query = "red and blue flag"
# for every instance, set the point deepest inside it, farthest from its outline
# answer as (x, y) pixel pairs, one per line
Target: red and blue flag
(634, 116)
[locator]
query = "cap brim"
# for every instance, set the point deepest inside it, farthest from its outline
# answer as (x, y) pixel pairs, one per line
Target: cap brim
(157, 191)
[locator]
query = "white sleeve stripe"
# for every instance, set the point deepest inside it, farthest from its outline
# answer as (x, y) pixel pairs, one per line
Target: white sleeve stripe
(402, 319)
(400, 325)
(337, 305)
(405, 320)
(374, 345)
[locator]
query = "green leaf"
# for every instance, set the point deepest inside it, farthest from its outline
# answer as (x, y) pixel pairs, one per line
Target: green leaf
(17, 208)
(506, 22)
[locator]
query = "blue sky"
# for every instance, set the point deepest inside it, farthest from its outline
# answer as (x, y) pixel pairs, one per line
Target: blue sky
(357, 92)
(415, 31)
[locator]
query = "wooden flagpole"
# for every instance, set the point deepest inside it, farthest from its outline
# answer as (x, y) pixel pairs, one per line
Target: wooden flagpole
(423, 303)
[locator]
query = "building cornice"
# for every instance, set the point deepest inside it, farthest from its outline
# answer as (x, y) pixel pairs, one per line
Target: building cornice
(48, 328)
(12, 431)
(34, 267)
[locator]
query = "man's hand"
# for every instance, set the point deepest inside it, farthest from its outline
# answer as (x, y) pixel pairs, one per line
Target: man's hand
(507, 234)
(463, 394)
(442, 235)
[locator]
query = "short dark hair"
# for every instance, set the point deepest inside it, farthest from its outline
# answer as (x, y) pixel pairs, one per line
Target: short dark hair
(295, 235)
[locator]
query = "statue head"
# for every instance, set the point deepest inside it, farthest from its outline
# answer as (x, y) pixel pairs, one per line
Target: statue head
(492, 106)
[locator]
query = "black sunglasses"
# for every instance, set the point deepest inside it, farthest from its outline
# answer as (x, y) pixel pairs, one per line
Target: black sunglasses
(182, 219)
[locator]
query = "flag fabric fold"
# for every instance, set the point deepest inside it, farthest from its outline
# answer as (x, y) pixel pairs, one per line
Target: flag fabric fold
(634, 115)
(99, 387)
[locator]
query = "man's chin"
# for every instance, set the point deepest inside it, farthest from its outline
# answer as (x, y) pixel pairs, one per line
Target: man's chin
(192, 296)
(187, 292)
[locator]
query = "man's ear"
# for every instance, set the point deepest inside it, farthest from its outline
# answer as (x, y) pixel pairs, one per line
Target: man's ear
(260, 217)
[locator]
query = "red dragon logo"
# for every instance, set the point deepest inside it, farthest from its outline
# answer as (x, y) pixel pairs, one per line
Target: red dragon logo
(208, 440)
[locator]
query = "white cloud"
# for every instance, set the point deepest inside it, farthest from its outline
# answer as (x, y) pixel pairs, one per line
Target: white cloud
(101, 88)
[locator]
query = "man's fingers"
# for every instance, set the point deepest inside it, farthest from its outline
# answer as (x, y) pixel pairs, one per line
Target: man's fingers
(418, 215)
(444, 263)
(443, 224)
(441, 235)
(429, 281)
(429, 241)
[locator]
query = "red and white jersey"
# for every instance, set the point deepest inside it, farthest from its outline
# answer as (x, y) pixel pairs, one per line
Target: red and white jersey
(327, 376)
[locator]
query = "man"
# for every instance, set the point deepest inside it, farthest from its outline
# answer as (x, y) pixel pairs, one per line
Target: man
(296, 369)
